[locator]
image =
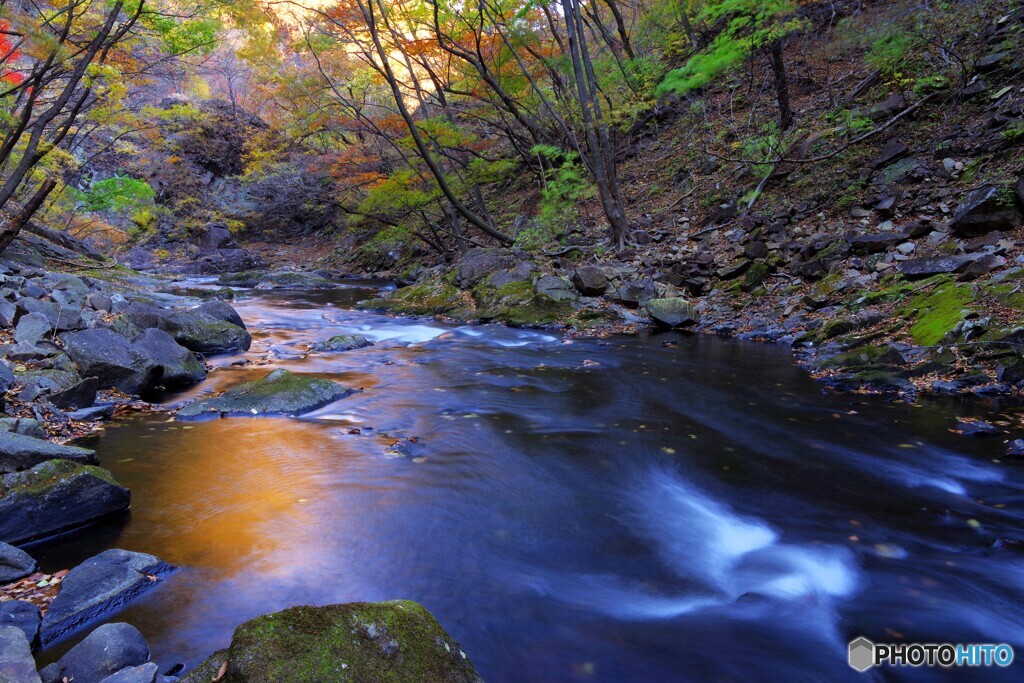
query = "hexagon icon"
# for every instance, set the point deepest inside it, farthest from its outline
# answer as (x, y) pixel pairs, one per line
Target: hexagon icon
(862, 654)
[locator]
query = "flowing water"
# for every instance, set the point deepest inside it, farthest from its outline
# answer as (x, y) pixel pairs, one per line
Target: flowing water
(663, 509)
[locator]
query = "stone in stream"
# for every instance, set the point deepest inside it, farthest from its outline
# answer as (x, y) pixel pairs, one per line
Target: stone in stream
(343, 342)
(146, 673)
(180, 367)
(279, 393)
(16, 662)
(99, 585)
(107, 650)
(19, 452)
(386, 642)
(56, 496)
(672, 312)
(1015, 449)
(221, 311)
(15, 564)
(976, 428)
(22, 615)
(203, 333)
(108, 356)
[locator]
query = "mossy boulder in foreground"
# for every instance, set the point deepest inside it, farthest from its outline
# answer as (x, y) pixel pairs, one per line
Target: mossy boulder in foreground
(56, 496)
(279, 393)
(387, 642)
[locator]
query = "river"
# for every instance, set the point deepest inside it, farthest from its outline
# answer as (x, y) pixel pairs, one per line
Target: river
(670, 508)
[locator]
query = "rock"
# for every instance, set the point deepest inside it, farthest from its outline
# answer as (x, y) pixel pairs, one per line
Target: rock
(100, 412)
(15, 564)
(924, 267)
(146, 673)
(893, 150)
(179, 366)
(1014, 450)
(81, 395)
(106, 651)
(99, 585)
(888, 108)
(876, 242)
(992, 61)
(22, 615)
(898, 171)
(99, 302)
(8, 312)
(557, 289)
(477, 264)
(756, 276)
(6, 379)
(976, 428)
(279, 393)
(19, 452)
(218, 237)
(734, 269)
(294, 280)
(984, 265)
(988, 208)
(590, 280)
(672, 312)
(108, 356)
(39, 382)
(388, 642)
(60, 318)
(637, 293)
(245, 278)
(56, 496)
(32, 328)
(16, 662)
(221, 310)
(203, 333)
(343, 342)
(23, 426)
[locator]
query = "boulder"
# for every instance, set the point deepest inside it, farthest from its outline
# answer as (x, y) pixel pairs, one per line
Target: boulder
(893, 151)
(203, 333)
(977, 428)
(388, 642)
(294, 280)
(56, 496)
(179, 366)
(98, 586)
(37, 383)
(109, 357)
(22, 615)
(16, 662)
(81, 395)
(146, 673)
(19, 452)
(477, 264)
(672, 312)
(279, 393)
(590, 280)
(343, 342)
(32, 328)
(637, 293)
(988, 208)
(6, 378)
(15, 564)
(1015, 449)
(218, 237)
(23, 426)
(98, 412)
(876, 242)
(221, 310)
(245, 278)
(557, 289)
(107, 650)
(926, 267)
(60, 318)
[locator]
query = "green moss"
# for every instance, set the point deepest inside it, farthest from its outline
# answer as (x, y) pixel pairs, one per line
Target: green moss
(43, 477)
(519, 304)
(426, 298)
(391, 642)
(279, 393)
(938, 311)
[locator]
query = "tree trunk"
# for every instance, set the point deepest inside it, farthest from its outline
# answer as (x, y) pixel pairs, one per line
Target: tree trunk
(781, 83)
(14, 226)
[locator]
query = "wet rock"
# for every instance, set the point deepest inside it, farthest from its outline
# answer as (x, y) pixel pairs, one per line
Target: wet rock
(343, 342)
(279, 393)
(672, 312)
(988, 208)
(106, 651)
(1015, 449)
(179, 366)
(23, 616)
(32, 328)
(245, 278)
(56, 496)
(15, 564)
(108, 356)
(389, 642)
(294, 280)
(100, 412)
(977, 428)
(19, 452)
(16, 662)
(221, 310)
(203, 333)
(81, 395)
(97, 586)
(925, 267)
(590, 280)
(146, 673)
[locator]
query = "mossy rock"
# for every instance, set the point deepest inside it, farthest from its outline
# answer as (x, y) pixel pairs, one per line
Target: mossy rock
(519, 304)
(937, 312)
(203, 333)
(343, 342)
(245, 278)
(388, 642)
(756, 276)
(294, 280)
(279, 393)
(426, 298)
